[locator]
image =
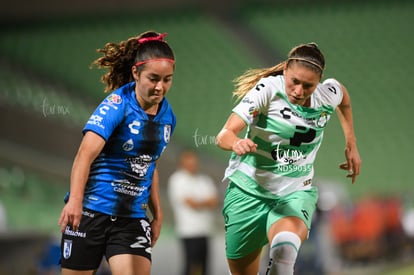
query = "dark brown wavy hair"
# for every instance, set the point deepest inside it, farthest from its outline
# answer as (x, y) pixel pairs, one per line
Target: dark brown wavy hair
(119, 58)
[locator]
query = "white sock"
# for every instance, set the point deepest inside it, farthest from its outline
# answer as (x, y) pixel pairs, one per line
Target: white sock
(282, 253)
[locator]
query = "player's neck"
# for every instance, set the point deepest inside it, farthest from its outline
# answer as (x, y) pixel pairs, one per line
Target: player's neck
(151, 110)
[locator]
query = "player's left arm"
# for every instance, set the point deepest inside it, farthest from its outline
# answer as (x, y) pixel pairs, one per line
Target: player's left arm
(155, 207)
(353, 160)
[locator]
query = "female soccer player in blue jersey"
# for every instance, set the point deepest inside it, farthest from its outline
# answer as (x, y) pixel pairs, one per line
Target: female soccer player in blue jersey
(114, 176)
(270, 197)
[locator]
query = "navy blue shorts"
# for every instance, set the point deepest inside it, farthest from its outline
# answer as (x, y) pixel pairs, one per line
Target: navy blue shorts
(102, 235)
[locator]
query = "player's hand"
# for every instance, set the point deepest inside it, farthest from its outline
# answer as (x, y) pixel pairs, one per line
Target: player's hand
(155, 231)
(244, 146)
(353, 162)
(71, 215)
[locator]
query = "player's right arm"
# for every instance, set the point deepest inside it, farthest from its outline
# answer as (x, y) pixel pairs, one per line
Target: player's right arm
(244, 113)
(227, 138)
(90, 147)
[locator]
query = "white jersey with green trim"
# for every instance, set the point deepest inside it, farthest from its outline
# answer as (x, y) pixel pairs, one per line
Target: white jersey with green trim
(288, 137)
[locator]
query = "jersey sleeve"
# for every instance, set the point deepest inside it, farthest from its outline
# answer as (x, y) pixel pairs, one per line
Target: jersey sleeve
(332, 94)
(256, 101)
(174, 122)
(107, 116)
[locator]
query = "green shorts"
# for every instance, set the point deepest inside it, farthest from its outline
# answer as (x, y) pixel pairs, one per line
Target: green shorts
(247, 218)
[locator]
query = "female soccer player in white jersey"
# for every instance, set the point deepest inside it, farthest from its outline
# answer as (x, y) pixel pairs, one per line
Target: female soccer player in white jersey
(270, 197)
(114, 176)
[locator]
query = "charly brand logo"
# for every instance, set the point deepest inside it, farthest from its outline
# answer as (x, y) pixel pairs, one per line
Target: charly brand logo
(200, 139)
(51, 109)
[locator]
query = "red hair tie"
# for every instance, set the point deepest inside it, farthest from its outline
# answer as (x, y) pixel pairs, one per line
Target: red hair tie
(152, 38)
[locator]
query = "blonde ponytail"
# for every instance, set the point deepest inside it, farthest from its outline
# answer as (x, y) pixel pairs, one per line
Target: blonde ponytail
(249, 79)
(307, 55)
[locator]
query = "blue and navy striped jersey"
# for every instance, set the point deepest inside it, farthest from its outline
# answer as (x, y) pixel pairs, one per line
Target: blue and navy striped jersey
(120, 178)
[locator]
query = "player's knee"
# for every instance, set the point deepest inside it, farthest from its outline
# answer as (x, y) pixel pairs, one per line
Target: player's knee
(284, 247)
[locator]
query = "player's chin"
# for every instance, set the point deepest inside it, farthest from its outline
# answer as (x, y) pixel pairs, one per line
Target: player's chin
(156, 99)
(295, 100)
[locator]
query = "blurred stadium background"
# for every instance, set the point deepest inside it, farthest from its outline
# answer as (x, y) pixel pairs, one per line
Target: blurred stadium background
(47, 93)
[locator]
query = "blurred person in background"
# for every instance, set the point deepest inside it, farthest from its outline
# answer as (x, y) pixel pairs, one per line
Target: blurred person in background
(194, 200)
(3, 218)
(114, 176)
(270, 197)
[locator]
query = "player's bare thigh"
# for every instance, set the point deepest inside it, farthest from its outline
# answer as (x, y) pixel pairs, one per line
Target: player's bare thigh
(66, 271)
(248, 265)
(127, 264)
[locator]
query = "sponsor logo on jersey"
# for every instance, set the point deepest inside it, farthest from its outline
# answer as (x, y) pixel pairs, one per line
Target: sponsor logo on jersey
(140, 164)
(126, 187)
(96, 120)
(128, 145)
(320, 121)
